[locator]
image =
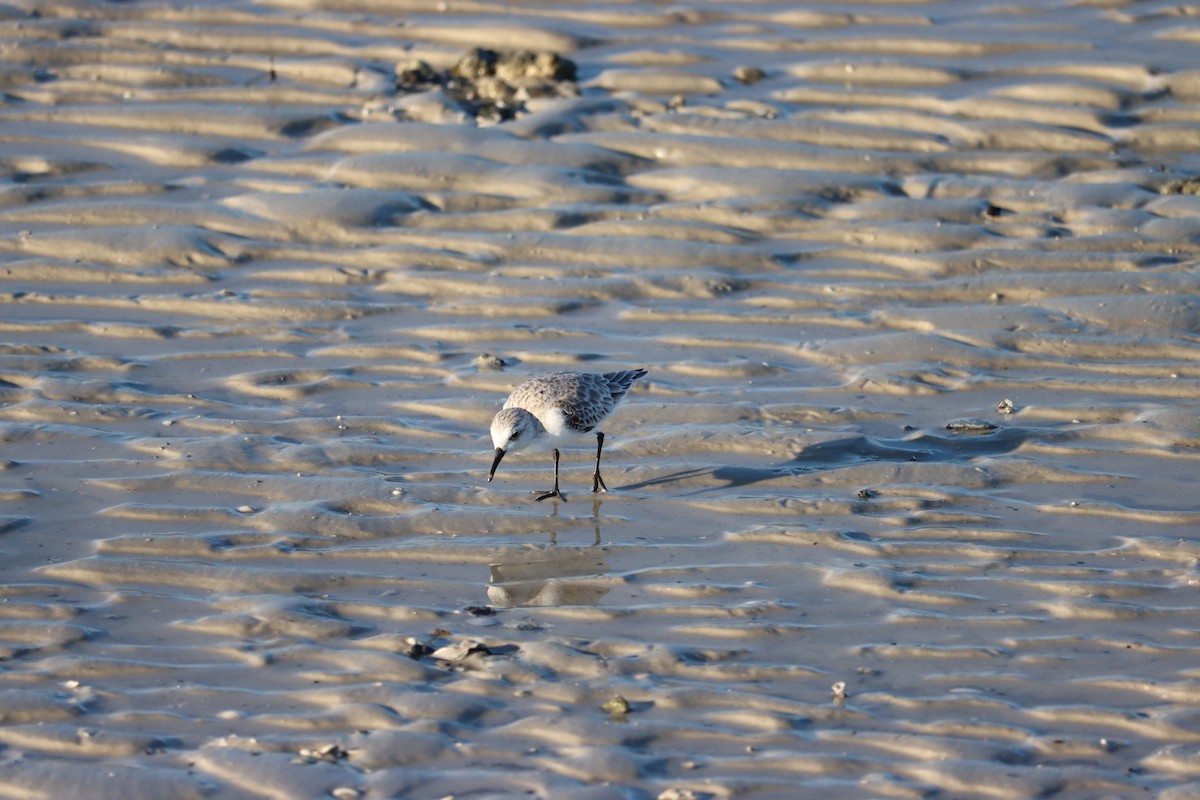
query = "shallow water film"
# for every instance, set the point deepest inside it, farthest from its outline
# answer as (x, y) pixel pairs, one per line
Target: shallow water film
(904, 507)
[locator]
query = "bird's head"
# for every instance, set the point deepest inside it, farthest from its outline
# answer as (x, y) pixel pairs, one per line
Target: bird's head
(513, 429)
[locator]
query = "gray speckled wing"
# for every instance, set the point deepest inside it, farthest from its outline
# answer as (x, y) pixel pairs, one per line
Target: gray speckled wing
(619, 382)
(582, 399)
(593, 402)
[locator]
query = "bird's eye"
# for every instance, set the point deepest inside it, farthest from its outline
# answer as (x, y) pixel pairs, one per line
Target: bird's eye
(516, 435)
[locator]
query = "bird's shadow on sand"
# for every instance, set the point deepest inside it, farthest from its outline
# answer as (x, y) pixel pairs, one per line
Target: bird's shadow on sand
(924, 446)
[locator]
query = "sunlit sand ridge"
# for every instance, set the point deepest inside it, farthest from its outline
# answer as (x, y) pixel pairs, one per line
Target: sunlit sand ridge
(915, 285)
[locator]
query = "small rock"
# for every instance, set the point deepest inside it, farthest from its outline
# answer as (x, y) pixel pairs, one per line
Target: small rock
(748, 75)
(516, 66)
(416, 649)
(616, 705)
(489, 361)
(971, 426)
(475, 64)
(415, 74)
(1182, 186)
(492, 87)
(553, 67)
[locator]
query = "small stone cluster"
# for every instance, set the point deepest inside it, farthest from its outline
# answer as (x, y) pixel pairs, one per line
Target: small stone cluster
(491, 86)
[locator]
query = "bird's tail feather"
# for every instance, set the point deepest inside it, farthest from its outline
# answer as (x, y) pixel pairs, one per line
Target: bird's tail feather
(619, 382)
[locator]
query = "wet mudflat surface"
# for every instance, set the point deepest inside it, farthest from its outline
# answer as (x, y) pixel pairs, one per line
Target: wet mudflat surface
(916, 288)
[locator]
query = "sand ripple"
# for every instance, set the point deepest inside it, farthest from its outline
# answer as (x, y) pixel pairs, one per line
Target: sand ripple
(903, 507)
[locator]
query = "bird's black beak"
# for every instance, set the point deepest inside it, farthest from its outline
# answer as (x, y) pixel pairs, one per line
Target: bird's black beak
(496, 463)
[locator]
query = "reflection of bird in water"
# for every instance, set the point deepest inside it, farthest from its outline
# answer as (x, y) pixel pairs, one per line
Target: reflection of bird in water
(553, 576)
(561, 405)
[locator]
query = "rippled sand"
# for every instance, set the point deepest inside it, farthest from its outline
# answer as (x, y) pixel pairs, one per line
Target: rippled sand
(249, 548)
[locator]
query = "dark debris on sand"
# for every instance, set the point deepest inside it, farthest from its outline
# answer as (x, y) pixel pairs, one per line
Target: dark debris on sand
(1181, 186)
(492, 86)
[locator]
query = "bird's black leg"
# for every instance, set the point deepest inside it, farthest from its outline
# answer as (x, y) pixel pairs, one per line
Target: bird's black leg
(554, 492)
(597, 481)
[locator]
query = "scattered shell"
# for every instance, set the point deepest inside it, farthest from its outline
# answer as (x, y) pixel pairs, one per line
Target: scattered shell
(1006, 406)
(839, 691)
(461, 650)
(246, 509)
(865, 494)
(675, 793)
(328, 752)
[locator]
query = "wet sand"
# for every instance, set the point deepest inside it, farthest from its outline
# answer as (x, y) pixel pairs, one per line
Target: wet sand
(919, 309)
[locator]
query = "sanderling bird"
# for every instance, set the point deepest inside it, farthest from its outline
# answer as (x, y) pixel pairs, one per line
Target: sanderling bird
(544, 410)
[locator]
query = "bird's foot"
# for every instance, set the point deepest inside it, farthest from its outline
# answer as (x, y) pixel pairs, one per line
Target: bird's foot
(552, 493)
(598, 483)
